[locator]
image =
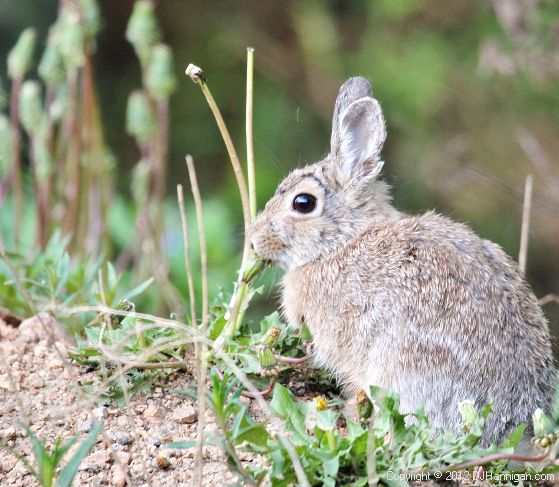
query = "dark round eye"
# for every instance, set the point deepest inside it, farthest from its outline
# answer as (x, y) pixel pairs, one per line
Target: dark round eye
(304, 203)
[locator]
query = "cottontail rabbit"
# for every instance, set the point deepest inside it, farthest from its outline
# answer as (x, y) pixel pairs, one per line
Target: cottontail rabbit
(417, 304)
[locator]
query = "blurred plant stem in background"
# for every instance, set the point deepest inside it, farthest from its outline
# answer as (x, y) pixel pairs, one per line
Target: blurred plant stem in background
(148, 122)
(71, 173)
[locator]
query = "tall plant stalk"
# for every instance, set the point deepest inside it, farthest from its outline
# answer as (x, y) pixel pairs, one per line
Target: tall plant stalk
(201, 360)
(250, 266)
(249, 136)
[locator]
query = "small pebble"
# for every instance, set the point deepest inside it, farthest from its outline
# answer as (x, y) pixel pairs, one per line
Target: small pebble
(152, 411)
(86, 426)
(162, 462)
(185, 414)
(124, 458)
(155, 440)
(100, 412)
(122, 421)
(118, 476)
(9, 433)
(124, 439)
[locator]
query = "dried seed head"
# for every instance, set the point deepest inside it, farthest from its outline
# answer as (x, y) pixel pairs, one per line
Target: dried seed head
(196, 74)
(272, 336)
(364, 405)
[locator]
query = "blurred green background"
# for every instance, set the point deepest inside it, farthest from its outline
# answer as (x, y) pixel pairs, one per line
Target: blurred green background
(470, 91)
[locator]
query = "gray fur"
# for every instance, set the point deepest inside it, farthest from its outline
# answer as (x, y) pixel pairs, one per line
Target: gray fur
(418, 304)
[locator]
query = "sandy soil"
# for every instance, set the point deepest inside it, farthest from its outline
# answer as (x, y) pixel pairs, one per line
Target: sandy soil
(130, 450)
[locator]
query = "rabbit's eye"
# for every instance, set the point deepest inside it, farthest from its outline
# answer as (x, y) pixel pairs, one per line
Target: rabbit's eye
(304, 203)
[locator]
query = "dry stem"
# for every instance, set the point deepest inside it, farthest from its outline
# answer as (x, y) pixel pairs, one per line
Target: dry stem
(548, 298)
(526, 211)
(249, 138)
(241, 290)
(187, 262)
(201, 359)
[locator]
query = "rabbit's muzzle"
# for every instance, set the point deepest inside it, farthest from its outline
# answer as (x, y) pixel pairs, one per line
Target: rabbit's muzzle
(267, 244)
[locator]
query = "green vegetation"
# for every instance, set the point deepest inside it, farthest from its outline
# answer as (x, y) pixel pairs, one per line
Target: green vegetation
(48, 471)
(71, 206)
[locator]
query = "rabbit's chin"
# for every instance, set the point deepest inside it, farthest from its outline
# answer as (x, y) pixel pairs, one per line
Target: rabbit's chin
(285, 262)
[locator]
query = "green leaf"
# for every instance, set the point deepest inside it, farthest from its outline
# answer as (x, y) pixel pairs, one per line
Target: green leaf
(513, 440)
(255, 434)
(326, 420)
(217, 327)
(139, 289)
(269, 321)
(331, 467)
(69, 471)
(181, 444)
(249, 363)
(282, 401)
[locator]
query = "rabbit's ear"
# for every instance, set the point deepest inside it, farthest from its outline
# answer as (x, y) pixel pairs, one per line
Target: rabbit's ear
(358, 130)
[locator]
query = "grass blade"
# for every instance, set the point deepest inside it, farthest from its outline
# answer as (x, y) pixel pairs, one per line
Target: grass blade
(69, 471)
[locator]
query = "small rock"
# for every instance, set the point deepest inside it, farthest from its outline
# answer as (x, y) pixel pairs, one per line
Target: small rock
(122, 421)
(31, 330)
(152, 411)
(185, 414)
(55, 364)
(86, 426)
(6, 466)
(124, 439)
(100, 412)
(9, 433)
(245, 400)
(118, 476)
(6, 383)
(210, 428)
(7, 408)
(123, 457)
(36, 381)
(140, 408)
(95, 461)
(162, 462)
(154, 440)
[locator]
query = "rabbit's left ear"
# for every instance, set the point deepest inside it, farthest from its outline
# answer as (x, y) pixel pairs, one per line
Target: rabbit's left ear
(358, 134)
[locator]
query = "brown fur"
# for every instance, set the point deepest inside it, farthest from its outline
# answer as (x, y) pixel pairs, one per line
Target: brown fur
(418, 304)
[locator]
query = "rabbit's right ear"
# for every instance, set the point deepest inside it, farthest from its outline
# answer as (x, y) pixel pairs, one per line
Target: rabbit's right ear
(358, 130)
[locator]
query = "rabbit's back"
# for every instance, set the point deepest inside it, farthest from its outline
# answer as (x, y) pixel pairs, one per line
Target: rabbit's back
(424, 306)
